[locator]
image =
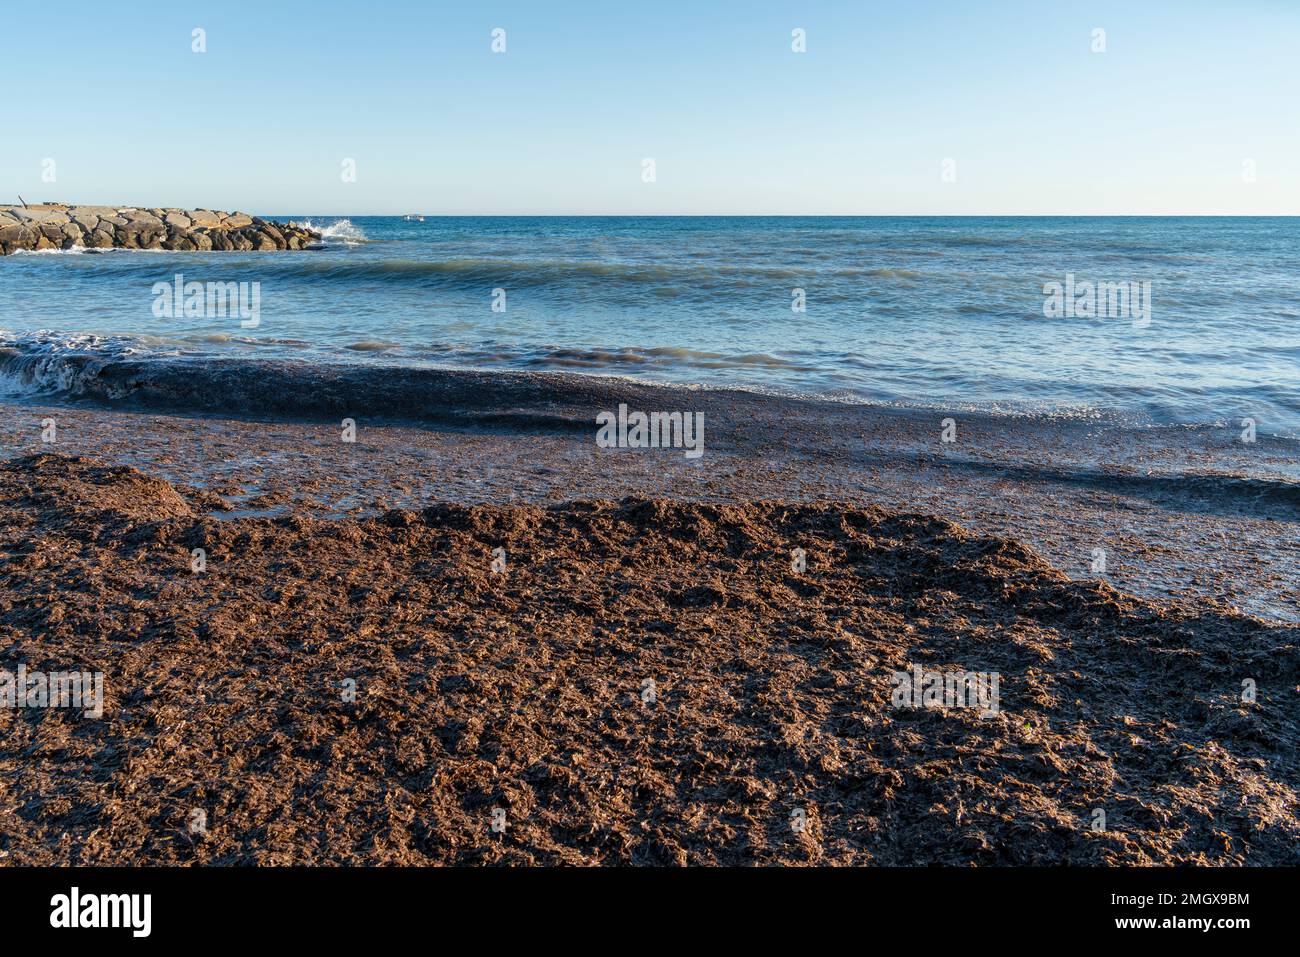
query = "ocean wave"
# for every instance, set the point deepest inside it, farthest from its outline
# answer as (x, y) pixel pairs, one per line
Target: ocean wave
(49, 363)
(71, 251)
(385, 379)
(672, 279)
(169, 375)
(650, 281)
(344, 232)
(554, 390)
(516, 274)
(119, 371)
(895, 273)
(667, 357)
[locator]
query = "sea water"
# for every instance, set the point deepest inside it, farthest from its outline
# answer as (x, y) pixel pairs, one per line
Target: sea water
(910, 311)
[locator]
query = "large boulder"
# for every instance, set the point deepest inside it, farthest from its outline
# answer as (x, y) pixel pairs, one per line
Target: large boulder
(18, 235)
(143, 216)
(205, 218)
(40, 215)
(141, 234)
(85, 217)
(178, 239)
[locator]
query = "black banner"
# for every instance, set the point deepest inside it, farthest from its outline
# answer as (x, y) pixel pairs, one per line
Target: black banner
(333, 906)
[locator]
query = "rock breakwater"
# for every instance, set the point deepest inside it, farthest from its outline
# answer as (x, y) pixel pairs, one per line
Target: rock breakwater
(59, 226)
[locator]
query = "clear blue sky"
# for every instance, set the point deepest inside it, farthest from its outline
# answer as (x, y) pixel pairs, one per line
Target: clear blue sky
(736, 122)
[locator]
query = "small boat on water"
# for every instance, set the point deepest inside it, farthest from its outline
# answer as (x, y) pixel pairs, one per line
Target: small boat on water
(413, 218)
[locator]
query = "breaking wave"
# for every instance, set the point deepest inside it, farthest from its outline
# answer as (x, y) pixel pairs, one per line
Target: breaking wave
(343, 231)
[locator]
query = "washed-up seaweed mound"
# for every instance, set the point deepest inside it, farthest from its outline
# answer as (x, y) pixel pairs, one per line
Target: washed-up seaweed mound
(642, 682)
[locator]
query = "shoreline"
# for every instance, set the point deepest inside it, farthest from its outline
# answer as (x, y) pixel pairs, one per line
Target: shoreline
(1177, 513)
(289, 378)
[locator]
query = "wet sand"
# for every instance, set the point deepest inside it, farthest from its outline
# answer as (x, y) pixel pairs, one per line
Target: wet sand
(1165, 513)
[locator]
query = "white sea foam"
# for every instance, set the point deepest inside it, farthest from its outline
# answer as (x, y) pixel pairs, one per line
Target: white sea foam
(343, 231)
(46, 362)
(74, 251)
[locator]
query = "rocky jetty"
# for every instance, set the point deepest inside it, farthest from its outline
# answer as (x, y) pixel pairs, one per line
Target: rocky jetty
(58, 226)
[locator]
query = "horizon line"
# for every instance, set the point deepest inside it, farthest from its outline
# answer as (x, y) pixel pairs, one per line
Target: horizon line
(814, 215)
